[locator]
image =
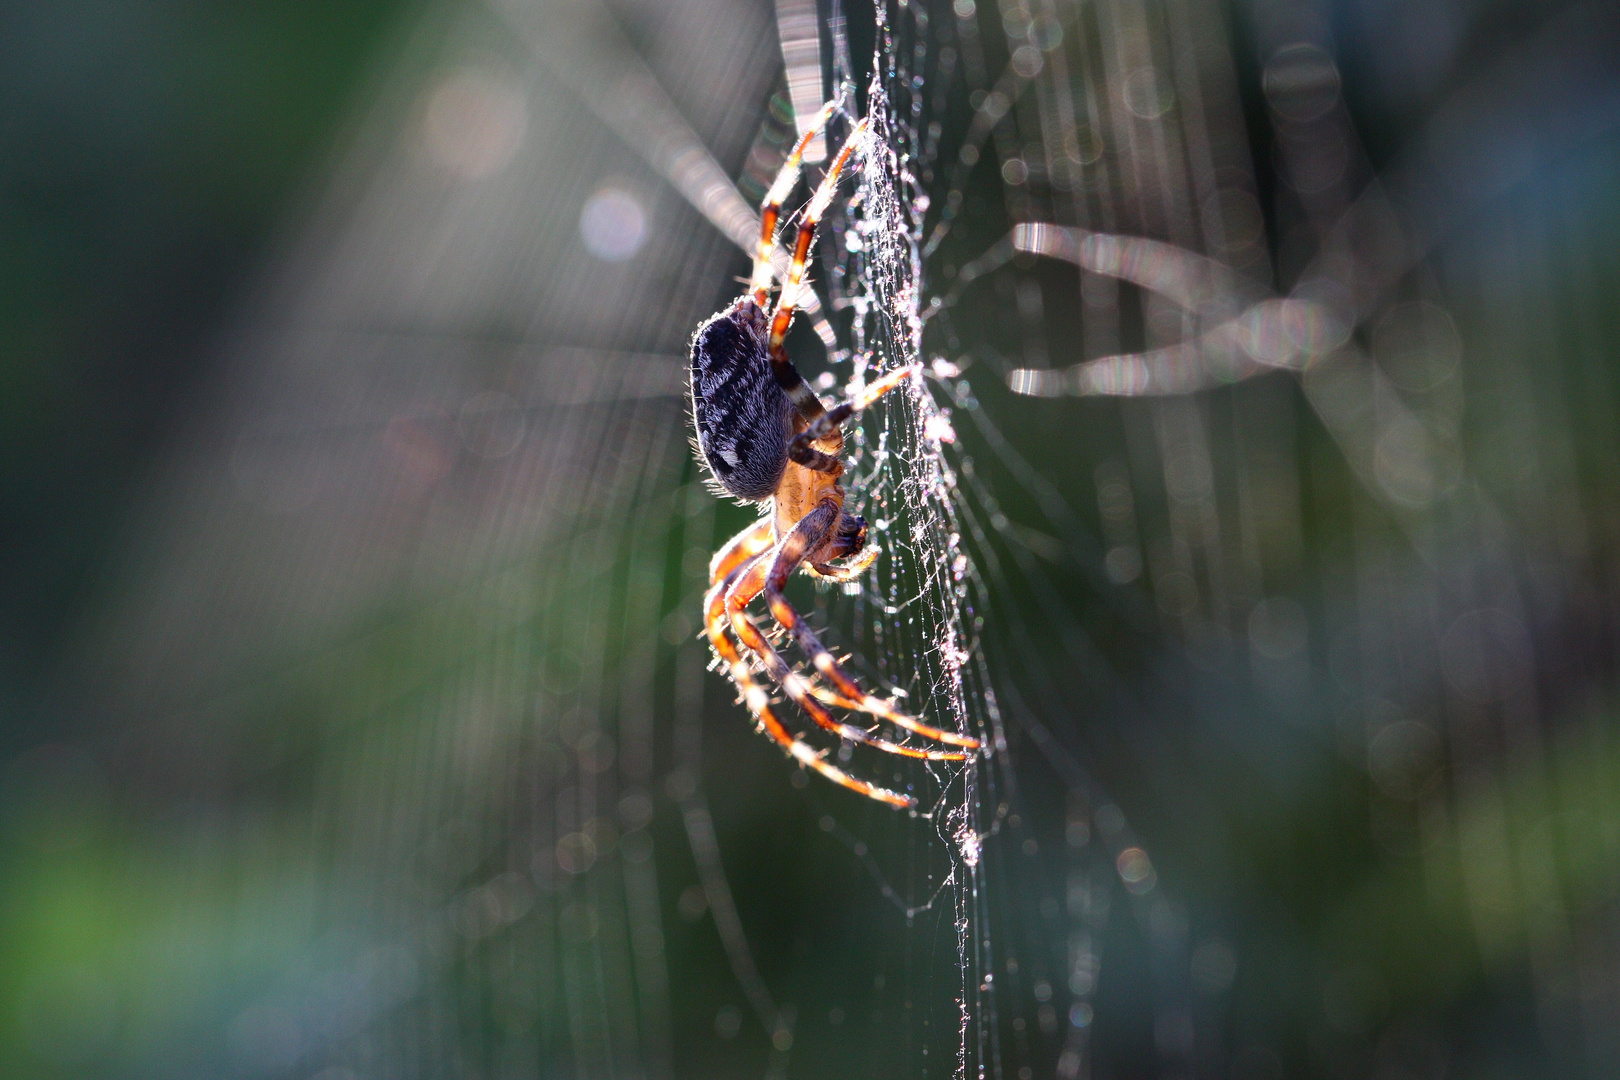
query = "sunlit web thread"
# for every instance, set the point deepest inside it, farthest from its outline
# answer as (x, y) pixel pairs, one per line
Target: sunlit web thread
(1157, 203)
(883, 286)
(1341, 390)
(926, 637)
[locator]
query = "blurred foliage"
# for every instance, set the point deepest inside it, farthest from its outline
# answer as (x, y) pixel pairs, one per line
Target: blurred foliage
(149, 152)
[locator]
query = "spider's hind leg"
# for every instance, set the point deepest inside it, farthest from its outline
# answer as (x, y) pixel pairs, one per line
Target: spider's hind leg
(807, 537)
(747, 585)
(787, 302)
(751, 542)
(759, 702)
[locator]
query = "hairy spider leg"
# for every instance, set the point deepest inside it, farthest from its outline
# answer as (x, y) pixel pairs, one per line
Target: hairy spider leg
(727, 563)
(752, 541)
(743, 548)
(787, 376)
(828, 551)
(787, 303)
(770, 210)
(806, 536)
(724, 568)
(831, 421)
(759, 702)
(749, 584)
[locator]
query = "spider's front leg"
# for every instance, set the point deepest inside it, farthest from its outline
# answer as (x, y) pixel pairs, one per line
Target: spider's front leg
(759, 702)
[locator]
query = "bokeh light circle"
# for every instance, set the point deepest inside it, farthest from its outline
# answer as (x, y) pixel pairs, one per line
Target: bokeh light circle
(474, 123)
(613, 224)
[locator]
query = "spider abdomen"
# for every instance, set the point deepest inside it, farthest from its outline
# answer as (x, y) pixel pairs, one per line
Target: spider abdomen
(744, 419)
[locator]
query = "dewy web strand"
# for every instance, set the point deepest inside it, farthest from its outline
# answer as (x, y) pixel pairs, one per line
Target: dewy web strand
(925, 617)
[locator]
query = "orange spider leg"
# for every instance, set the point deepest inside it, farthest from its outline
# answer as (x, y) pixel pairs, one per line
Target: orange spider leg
(803, 398)
(752, 541)
(748, 584)
(747, 545)
(770, 210)
(849, 693)
(759, 702)
(788, 302)
(789, 554)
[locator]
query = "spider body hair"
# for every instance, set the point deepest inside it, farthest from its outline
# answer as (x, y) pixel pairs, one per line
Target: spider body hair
(743, 417)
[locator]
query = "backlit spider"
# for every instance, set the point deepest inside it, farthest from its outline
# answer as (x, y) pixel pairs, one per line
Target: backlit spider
(768, 439)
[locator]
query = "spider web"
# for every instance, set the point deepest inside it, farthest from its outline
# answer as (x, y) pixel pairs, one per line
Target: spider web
(919, 623)
(1115, 139)
(400, 698)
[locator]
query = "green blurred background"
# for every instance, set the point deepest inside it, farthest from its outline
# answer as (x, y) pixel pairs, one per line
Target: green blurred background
(352, 724)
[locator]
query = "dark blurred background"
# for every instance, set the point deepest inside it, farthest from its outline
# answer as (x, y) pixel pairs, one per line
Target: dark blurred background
(352, 722)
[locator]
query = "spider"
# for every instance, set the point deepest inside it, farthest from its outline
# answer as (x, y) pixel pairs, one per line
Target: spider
(768, 439)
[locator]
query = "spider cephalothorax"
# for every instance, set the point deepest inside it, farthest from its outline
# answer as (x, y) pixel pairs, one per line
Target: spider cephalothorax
(767, 438)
